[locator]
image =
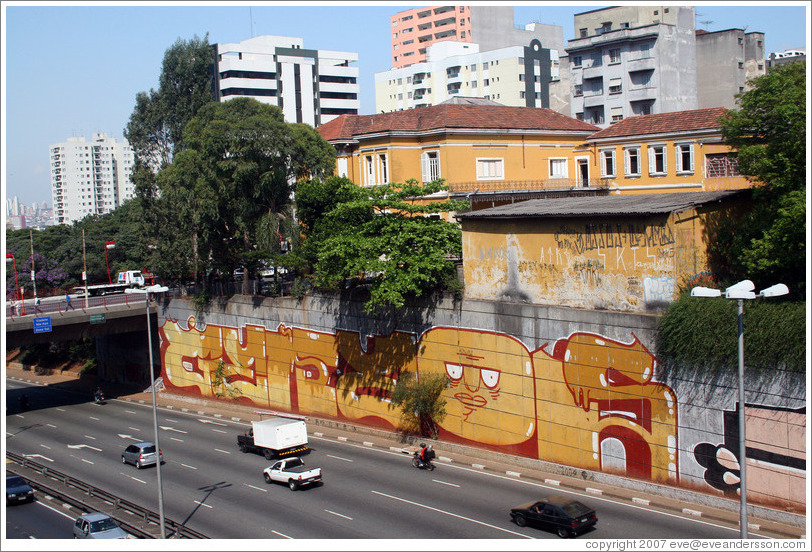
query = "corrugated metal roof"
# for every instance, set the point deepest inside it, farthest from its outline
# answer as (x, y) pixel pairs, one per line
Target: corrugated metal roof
(617, 205)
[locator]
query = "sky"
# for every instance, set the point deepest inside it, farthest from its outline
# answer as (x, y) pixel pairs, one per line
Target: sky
(74, 68)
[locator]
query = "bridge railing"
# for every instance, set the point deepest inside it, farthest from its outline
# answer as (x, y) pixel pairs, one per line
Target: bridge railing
(60, 305)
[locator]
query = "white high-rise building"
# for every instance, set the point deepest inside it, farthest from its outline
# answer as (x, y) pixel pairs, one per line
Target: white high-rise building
(311, 86)
(89, 178)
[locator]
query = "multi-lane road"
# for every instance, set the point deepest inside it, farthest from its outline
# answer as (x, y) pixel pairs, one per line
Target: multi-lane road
(368, 493)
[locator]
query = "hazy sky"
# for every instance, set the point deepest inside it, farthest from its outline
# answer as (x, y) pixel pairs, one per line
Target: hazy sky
(72, 69)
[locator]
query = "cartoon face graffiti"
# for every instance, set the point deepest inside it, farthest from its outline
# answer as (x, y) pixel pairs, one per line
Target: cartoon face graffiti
(491, 383)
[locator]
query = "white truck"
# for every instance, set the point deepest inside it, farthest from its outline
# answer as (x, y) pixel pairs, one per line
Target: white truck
(126, 279)
(293, 473)
(275, 437)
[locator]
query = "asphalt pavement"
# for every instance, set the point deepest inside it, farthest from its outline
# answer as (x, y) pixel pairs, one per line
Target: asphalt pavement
(765, 521)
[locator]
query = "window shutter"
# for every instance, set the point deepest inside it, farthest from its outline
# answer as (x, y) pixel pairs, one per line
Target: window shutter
(691, 154)
(651, 163)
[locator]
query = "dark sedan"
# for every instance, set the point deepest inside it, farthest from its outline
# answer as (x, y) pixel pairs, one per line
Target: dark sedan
(17, 490)
(565, 516)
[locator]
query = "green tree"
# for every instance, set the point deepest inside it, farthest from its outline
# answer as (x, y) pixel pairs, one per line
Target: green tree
(421, 402)
(769, 132)
(382, 234)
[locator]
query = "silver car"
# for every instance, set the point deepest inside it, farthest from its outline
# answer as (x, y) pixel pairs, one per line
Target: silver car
(141, 454)
(97, 525)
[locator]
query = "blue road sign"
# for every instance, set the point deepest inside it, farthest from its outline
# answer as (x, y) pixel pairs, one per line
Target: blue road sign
(42, 324)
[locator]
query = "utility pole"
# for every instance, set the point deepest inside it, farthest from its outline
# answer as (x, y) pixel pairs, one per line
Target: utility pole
(33, 270)
(84, 263)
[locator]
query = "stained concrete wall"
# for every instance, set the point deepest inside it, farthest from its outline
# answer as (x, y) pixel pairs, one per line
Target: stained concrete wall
(578, 388)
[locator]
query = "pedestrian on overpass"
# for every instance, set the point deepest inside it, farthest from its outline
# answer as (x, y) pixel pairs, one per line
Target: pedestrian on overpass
(37, 308)
(68, 306)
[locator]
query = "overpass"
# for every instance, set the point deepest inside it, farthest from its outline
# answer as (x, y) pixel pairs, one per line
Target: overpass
(83, 318)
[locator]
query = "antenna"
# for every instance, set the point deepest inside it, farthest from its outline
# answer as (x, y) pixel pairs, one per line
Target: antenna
(706, 22)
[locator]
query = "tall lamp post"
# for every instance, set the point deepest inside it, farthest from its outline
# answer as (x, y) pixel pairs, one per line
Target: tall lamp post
(146, 292)
(16, 282)
(741, 291)
(108, 245)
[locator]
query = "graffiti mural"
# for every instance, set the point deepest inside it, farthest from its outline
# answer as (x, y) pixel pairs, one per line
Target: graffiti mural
(775, 449)
(585, 400)
(600, 409)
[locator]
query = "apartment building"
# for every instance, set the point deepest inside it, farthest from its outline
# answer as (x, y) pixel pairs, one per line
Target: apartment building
(515, 76)
(725, 62)
(787, 56)
(89, 178)
(492, 27)
(632, 60)
(310, 86)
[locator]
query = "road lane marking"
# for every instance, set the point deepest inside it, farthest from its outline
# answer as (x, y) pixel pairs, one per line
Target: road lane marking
(257, 488)
(204, 421)
(171, 420)
(219, 430)
(176, 439)
(339, 458)
(130, 411)
(93, 418)
(168, 428)
(37, 456)
(90, 437)
(445, 483)
(134, 428)
(45, 446)
(281, 535)
(61, 409)
(84, 446)
(87, 461)
(136, 479)
(337, 514)
(451, 514)
(187, 466)
(201, 504)
(223, 451)
(52, 426)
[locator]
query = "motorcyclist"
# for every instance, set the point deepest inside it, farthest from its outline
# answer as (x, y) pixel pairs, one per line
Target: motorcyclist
(98, 394)
(421, 454)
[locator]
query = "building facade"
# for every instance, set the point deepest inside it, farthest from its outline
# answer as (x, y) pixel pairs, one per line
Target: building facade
(666, 152)
(787, 56)
(518, 76)
(725, 62)
(632, 60)
(492, 27)
(310, 86)
(89, 178)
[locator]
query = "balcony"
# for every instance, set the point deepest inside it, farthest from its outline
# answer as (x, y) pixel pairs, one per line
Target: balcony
(641, 64)
(593, 72)
(553, 184)
(641, 93)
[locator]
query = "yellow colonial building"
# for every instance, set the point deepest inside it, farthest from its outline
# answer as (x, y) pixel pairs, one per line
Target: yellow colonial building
(681, 151)
(475, 145)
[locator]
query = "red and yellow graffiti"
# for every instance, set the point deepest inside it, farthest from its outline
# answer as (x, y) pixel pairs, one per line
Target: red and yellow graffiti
(588, 401)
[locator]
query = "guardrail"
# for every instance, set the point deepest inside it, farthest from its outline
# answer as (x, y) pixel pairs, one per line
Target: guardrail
(128, 514)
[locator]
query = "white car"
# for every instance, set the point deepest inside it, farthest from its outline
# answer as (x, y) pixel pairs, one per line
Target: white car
(293, 472)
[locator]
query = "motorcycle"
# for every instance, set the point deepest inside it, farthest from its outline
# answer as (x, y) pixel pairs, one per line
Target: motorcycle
(420, 464)
(98, 396)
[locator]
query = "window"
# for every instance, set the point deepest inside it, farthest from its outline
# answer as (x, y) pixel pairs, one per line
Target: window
(721, 165)
(607, 163)
(430, 162)
(656, 160)
(615, 86)
(685, 158)
(383, 168)
(632, 161)
(369, 171)
(558, 168)
(579, 90)
(616, 114)
(614, 55)
(597, 57)
(490, 169)
(577, 61)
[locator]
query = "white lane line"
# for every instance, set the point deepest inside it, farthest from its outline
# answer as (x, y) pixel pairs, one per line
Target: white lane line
(90, 437)
(337, 514)
(93, 418)
(61, 409)
(176, 439)
(257, 488)
(187, 466)
(87, 461)
(136, 479)
(201, 504)
(52, 426)
(445, 483)
(171, 420)
(281, 535)
(223, 451)
(45, 446)
(130, 411)
(134, 428)
(450, 514)
(340, 458)
(219, 430)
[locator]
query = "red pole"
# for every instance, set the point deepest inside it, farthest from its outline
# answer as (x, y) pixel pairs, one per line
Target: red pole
(16, 282)
(108, 245)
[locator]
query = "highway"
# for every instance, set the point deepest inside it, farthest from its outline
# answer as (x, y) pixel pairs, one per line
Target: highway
(368, 493)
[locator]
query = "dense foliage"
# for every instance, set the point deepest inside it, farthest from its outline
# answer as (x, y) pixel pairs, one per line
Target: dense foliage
(703, 333)
(380, 235)
(769, 132)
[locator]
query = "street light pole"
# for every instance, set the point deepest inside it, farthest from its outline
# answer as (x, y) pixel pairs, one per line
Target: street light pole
(741, 291)
(146, 292)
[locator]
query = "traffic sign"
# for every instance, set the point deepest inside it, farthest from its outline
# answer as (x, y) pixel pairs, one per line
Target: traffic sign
(42, 324)
(97, 319)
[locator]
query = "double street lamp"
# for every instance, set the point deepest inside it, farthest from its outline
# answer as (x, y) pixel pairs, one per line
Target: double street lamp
(741, 291)
(146, 291)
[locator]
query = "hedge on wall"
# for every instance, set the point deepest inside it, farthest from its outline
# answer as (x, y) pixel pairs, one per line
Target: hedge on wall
(703, 332)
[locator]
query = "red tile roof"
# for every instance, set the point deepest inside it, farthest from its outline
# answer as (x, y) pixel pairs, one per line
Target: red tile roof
(450, 116)
(661, 123)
